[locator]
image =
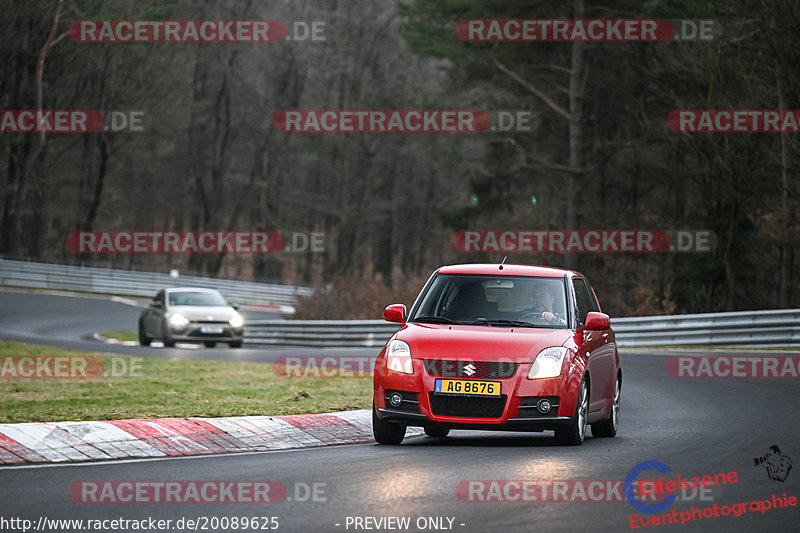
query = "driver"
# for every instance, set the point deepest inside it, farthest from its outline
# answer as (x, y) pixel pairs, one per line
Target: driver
(543, 300)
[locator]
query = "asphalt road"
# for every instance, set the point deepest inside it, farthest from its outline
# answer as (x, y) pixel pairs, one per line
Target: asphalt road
(696, 427)
(69, 321)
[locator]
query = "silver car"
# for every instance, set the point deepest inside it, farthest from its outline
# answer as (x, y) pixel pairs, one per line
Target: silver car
(191, 314)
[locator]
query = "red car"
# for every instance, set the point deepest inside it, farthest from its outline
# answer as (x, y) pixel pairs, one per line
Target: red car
(499, 347)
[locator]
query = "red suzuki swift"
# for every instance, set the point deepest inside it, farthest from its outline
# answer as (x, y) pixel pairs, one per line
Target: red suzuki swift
(499, 347)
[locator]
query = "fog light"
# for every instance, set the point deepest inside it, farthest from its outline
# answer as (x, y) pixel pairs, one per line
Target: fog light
(395, 399)
(543, 406)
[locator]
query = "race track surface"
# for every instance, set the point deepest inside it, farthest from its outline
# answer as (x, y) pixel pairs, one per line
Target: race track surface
(696, 427)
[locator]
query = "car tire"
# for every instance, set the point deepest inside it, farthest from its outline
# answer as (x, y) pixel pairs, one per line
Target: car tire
(144, 340)
(576, 432)
(386, 432)
(437, 432)
(235, 344)
(168, 341)
(209, 344)
(609, 426)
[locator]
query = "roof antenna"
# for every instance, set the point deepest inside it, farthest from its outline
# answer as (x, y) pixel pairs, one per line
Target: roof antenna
(503, 261)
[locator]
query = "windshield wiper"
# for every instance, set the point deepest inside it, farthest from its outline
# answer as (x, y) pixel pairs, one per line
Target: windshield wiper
(435, 320)
(502, 322)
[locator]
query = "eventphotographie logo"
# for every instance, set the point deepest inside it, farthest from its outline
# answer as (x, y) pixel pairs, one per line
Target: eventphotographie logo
(776, 464)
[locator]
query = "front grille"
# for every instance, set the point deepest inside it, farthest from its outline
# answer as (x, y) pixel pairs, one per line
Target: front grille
(466, 407)
(478, 369)
(214, 322)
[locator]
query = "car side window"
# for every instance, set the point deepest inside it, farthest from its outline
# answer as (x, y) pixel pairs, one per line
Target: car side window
(583, 300)
(592, 297)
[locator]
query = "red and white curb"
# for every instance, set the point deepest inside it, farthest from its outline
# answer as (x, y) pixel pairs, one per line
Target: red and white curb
(63, 442)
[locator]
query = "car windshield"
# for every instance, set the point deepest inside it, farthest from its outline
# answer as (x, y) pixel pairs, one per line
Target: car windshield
(492, 300)
(196, 298)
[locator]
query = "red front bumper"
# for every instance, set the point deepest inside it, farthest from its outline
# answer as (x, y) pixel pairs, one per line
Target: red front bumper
(516, 409)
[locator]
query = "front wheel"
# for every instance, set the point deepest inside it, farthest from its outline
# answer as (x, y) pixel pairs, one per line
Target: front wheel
(609, 426)
(386, 432)
(168, 341)
(209, 344)
(235, 344)
(144, 340)
(576, 432)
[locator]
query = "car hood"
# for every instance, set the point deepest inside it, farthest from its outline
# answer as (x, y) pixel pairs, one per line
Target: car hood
(479, 343)
(197, 312)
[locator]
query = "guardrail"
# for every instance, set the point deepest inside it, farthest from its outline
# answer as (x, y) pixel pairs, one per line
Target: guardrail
(320, 333)
(132, 283)
(751, 328)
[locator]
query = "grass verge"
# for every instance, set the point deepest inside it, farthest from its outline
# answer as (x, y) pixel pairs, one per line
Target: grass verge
(168, 388)
(121, 335)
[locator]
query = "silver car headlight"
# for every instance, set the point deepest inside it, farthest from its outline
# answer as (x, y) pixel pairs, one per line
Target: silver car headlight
(398, 357)
(236, 321)
(548, 363)
(178, 320)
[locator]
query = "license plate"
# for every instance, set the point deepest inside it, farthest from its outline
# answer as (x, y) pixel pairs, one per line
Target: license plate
(210, 329)
(467, 387)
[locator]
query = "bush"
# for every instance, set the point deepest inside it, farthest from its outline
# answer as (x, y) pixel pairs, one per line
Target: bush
(356, 297)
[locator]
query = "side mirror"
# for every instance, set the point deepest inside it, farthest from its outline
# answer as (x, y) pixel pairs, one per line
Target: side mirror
(395, 313)
(597, 321)
(234, 305)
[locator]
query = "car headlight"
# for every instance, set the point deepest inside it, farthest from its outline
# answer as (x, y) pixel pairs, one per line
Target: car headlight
(398, 357)
(236, 321)
(178, 320)
(548, 363)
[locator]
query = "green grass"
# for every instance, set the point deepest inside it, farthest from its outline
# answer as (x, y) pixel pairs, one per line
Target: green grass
(121, 335)
(171, 388)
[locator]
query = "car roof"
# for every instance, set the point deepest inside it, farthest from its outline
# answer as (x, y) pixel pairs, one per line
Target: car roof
(193, 289)
(508, 270)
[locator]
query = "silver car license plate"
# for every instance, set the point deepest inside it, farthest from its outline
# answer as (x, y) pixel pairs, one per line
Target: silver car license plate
(210, 329)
